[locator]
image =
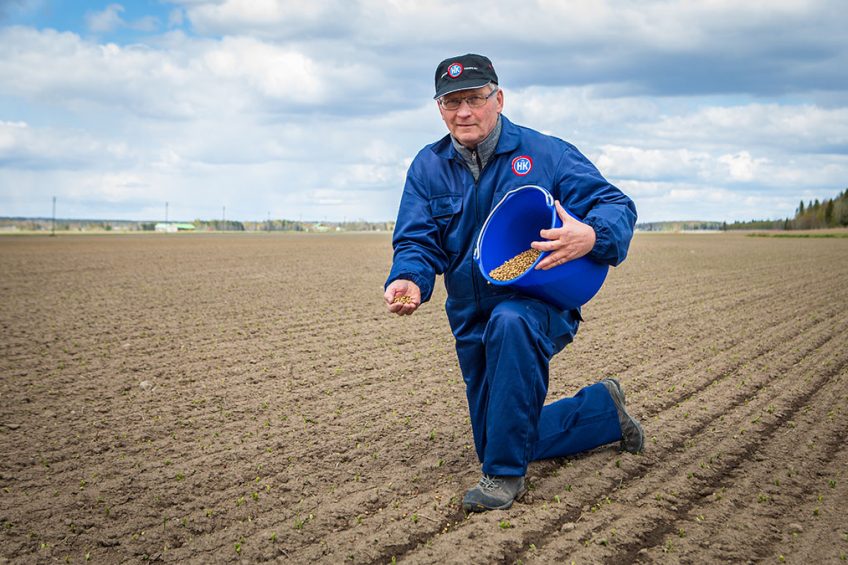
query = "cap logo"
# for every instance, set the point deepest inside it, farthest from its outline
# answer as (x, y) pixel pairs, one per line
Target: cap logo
(521, 165)
(455, 69)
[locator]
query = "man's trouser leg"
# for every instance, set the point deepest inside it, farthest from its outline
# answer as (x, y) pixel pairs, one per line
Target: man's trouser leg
(472, 362)
(572, 425)
(505, 367)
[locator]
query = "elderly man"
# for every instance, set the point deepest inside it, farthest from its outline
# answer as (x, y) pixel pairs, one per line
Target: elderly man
(504, 340)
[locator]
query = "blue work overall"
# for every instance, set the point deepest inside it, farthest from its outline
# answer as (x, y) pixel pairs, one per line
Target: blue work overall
(505, 341)
(504, 349)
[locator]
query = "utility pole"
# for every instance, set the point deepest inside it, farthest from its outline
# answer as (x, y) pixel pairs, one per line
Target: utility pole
(166, 212)
(53, 221)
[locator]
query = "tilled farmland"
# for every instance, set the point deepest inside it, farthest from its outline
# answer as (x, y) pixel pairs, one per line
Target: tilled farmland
(216, 398)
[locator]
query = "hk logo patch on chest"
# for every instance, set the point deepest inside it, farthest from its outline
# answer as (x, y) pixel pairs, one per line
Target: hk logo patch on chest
(521, 165)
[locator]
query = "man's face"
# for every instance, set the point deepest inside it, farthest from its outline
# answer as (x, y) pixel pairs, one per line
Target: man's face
(470, 125)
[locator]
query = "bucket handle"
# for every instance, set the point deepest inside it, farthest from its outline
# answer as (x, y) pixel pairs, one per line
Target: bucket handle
(549, 199)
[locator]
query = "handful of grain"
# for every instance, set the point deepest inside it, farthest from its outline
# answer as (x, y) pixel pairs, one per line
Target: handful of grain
(402, 299)
(516, 266)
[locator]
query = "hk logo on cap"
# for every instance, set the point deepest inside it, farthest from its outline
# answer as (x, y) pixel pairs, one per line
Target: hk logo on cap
(455, 70)
(521, 165)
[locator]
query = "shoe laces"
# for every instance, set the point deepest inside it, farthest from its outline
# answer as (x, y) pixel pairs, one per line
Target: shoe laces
(488, 483)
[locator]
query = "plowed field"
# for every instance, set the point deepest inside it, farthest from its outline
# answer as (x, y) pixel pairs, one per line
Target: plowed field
(213, 398)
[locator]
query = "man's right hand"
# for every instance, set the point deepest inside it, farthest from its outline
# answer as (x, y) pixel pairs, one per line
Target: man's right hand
(402, 288)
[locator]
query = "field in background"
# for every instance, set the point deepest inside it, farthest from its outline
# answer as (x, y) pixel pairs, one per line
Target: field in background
(222, 397)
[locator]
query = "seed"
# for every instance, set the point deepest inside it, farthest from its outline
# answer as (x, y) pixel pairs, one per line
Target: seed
(516, 266)
(402, 300)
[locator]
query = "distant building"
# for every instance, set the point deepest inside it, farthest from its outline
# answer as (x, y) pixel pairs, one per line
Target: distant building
(173, 227)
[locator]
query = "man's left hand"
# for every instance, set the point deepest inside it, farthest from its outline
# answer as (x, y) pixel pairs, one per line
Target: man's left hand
(571, 241)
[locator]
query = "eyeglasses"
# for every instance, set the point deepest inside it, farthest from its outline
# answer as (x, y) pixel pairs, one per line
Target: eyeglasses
(475, 101)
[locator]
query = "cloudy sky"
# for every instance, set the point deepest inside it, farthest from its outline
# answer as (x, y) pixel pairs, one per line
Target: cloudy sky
(313, 109)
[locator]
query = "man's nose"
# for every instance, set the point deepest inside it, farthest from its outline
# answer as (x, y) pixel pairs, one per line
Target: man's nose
(464, 108)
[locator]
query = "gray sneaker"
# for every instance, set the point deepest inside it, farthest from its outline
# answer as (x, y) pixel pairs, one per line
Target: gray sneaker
(493, 493)
(632, 436)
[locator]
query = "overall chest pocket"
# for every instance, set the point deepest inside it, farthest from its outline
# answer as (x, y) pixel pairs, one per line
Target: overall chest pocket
(446, 212)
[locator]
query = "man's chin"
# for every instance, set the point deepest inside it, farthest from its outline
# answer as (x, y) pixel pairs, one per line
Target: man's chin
(468, 140)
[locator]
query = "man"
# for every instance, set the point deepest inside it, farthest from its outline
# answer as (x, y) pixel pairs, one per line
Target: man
(505, 340)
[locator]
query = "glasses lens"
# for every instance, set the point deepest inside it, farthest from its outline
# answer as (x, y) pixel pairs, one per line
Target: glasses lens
(473, 101)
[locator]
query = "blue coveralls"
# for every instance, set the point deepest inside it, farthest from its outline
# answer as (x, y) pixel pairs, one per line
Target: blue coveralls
(504, 340)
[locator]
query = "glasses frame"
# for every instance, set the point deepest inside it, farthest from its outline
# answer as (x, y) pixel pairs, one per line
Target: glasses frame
(466, 99)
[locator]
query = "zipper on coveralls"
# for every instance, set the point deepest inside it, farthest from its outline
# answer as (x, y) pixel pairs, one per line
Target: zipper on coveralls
(477, 221)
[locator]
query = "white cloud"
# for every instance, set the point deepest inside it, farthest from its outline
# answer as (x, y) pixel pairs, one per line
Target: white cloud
(107, 20)
(639, 163)
(271, 71)
(634, 47)
(22, 146)
(184, 78)
(110, 20)
(277, 17)
(741, 166)
(61, 69)
(668, 201)
(7, 135)
(790, 125)
(314, 109)
(664, 164)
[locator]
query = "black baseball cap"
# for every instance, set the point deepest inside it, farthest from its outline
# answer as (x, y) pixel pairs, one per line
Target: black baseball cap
(464, 72)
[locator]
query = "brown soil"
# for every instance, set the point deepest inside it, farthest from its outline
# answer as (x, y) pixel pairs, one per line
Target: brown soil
(211, 398)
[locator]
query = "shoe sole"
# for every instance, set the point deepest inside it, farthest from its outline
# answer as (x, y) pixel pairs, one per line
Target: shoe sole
(633, 420)
(641, 436)
(620, 390)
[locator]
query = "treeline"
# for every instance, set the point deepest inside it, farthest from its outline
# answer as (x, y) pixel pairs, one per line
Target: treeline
(680, 226)
(67, 225)
(759, 225)
(275, 225)
(830, 213)
(72, 225)
(218, 225)
(292, 225)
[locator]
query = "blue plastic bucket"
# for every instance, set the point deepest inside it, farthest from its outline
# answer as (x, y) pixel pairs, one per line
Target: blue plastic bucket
(510, 228)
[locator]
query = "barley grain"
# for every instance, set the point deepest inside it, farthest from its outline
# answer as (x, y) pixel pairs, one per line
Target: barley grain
(516, 266)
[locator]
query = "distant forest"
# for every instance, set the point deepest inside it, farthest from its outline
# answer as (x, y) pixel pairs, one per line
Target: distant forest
(71, 225)
(831, 213)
